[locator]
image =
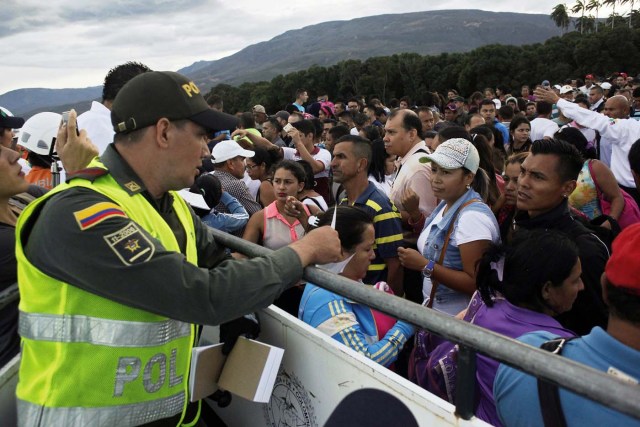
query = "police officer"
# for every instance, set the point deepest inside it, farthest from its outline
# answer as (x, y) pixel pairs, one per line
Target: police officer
(115, 270)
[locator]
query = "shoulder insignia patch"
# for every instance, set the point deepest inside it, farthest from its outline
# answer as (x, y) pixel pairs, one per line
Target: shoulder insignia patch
(130, 245)
(132, 186)
(97, 213)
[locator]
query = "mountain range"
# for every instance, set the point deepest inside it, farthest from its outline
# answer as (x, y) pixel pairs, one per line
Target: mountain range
(325, 44)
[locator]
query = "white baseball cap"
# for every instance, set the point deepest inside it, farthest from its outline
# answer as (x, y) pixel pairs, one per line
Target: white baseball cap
(456, 153)
(566, 89)
(225, 150)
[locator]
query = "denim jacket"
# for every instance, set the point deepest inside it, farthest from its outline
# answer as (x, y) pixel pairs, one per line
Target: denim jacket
(438, 232)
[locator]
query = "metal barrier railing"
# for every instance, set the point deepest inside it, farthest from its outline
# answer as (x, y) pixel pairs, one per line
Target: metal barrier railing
(563, 372)
(566, 373)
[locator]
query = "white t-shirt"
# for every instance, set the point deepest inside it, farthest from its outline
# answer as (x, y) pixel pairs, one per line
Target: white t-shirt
(321, 155)
(385, 186)
(472, 226)
(541, 127)
(252, 184)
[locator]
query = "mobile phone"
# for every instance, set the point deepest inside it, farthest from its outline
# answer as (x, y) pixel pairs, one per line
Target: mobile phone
(65, 121)
(288, 127)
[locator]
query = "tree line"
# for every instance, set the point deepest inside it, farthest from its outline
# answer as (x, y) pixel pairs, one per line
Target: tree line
(418, 76)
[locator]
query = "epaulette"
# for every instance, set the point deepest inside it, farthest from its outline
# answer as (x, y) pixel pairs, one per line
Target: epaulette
(90, 174)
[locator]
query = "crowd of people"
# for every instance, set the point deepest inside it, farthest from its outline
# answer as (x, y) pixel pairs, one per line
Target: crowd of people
(515, 212)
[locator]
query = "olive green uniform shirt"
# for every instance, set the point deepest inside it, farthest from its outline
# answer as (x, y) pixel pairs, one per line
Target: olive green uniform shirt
(219, 289)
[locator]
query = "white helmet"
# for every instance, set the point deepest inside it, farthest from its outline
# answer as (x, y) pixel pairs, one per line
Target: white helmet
(39, 132)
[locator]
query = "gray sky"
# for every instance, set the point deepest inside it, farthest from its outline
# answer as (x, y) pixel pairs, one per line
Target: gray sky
(71, 43)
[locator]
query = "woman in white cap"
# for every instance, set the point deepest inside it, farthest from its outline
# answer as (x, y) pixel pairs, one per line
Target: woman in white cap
(457, 232)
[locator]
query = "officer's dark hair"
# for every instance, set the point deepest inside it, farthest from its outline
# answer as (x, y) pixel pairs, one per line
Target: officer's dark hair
(410, 120)
(299, 92)
(332, 122)
(424, 109)
(543, 107)
(453, 132)
(118, 76)
(533, 258)
(623, 304)
(569, 158)
(597, 88)
(361, 146)
(634, 157)
(305, 127)
(351, 223)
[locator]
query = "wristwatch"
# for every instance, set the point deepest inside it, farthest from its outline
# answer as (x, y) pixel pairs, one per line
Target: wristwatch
(427, 271)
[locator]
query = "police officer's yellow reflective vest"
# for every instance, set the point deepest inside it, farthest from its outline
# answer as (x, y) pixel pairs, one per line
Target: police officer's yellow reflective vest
(90, 361)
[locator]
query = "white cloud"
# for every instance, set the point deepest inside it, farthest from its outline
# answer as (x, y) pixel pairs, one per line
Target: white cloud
(66, 43)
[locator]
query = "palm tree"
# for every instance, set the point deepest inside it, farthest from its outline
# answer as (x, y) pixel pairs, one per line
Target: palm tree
(580, 6)
(631, 2)
(586, 23)
(634, 17)
(561, 17)
(594, 4)
(613, 13)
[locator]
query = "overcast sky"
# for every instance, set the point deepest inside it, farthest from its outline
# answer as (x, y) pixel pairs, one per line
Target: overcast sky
(71, 43)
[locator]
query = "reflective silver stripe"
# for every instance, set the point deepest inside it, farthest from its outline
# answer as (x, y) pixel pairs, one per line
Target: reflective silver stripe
(94, 330)
(31, 415)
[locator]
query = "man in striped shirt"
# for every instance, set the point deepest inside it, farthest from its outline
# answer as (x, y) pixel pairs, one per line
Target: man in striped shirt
(351, 157)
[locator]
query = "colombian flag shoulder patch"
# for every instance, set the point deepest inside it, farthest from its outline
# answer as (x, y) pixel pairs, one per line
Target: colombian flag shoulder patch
(97, 213)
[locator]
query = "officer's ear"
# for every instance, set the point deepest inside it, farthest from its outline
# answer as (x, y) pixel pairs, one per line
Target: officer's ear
(163, 127)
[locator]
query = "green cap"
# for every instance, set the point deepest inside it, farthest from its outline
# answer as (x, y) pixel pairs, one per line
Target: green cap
(151, 96)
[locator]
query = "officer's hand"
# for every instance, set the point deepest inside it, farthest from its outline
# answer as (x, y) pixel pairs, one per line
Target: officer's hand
(247, 326)
(319, 246)
(75, 150)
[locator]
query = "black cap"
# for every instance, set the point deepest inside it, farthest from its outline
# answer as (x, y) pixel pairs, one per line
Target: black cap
(151, 96)
(11, 122)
